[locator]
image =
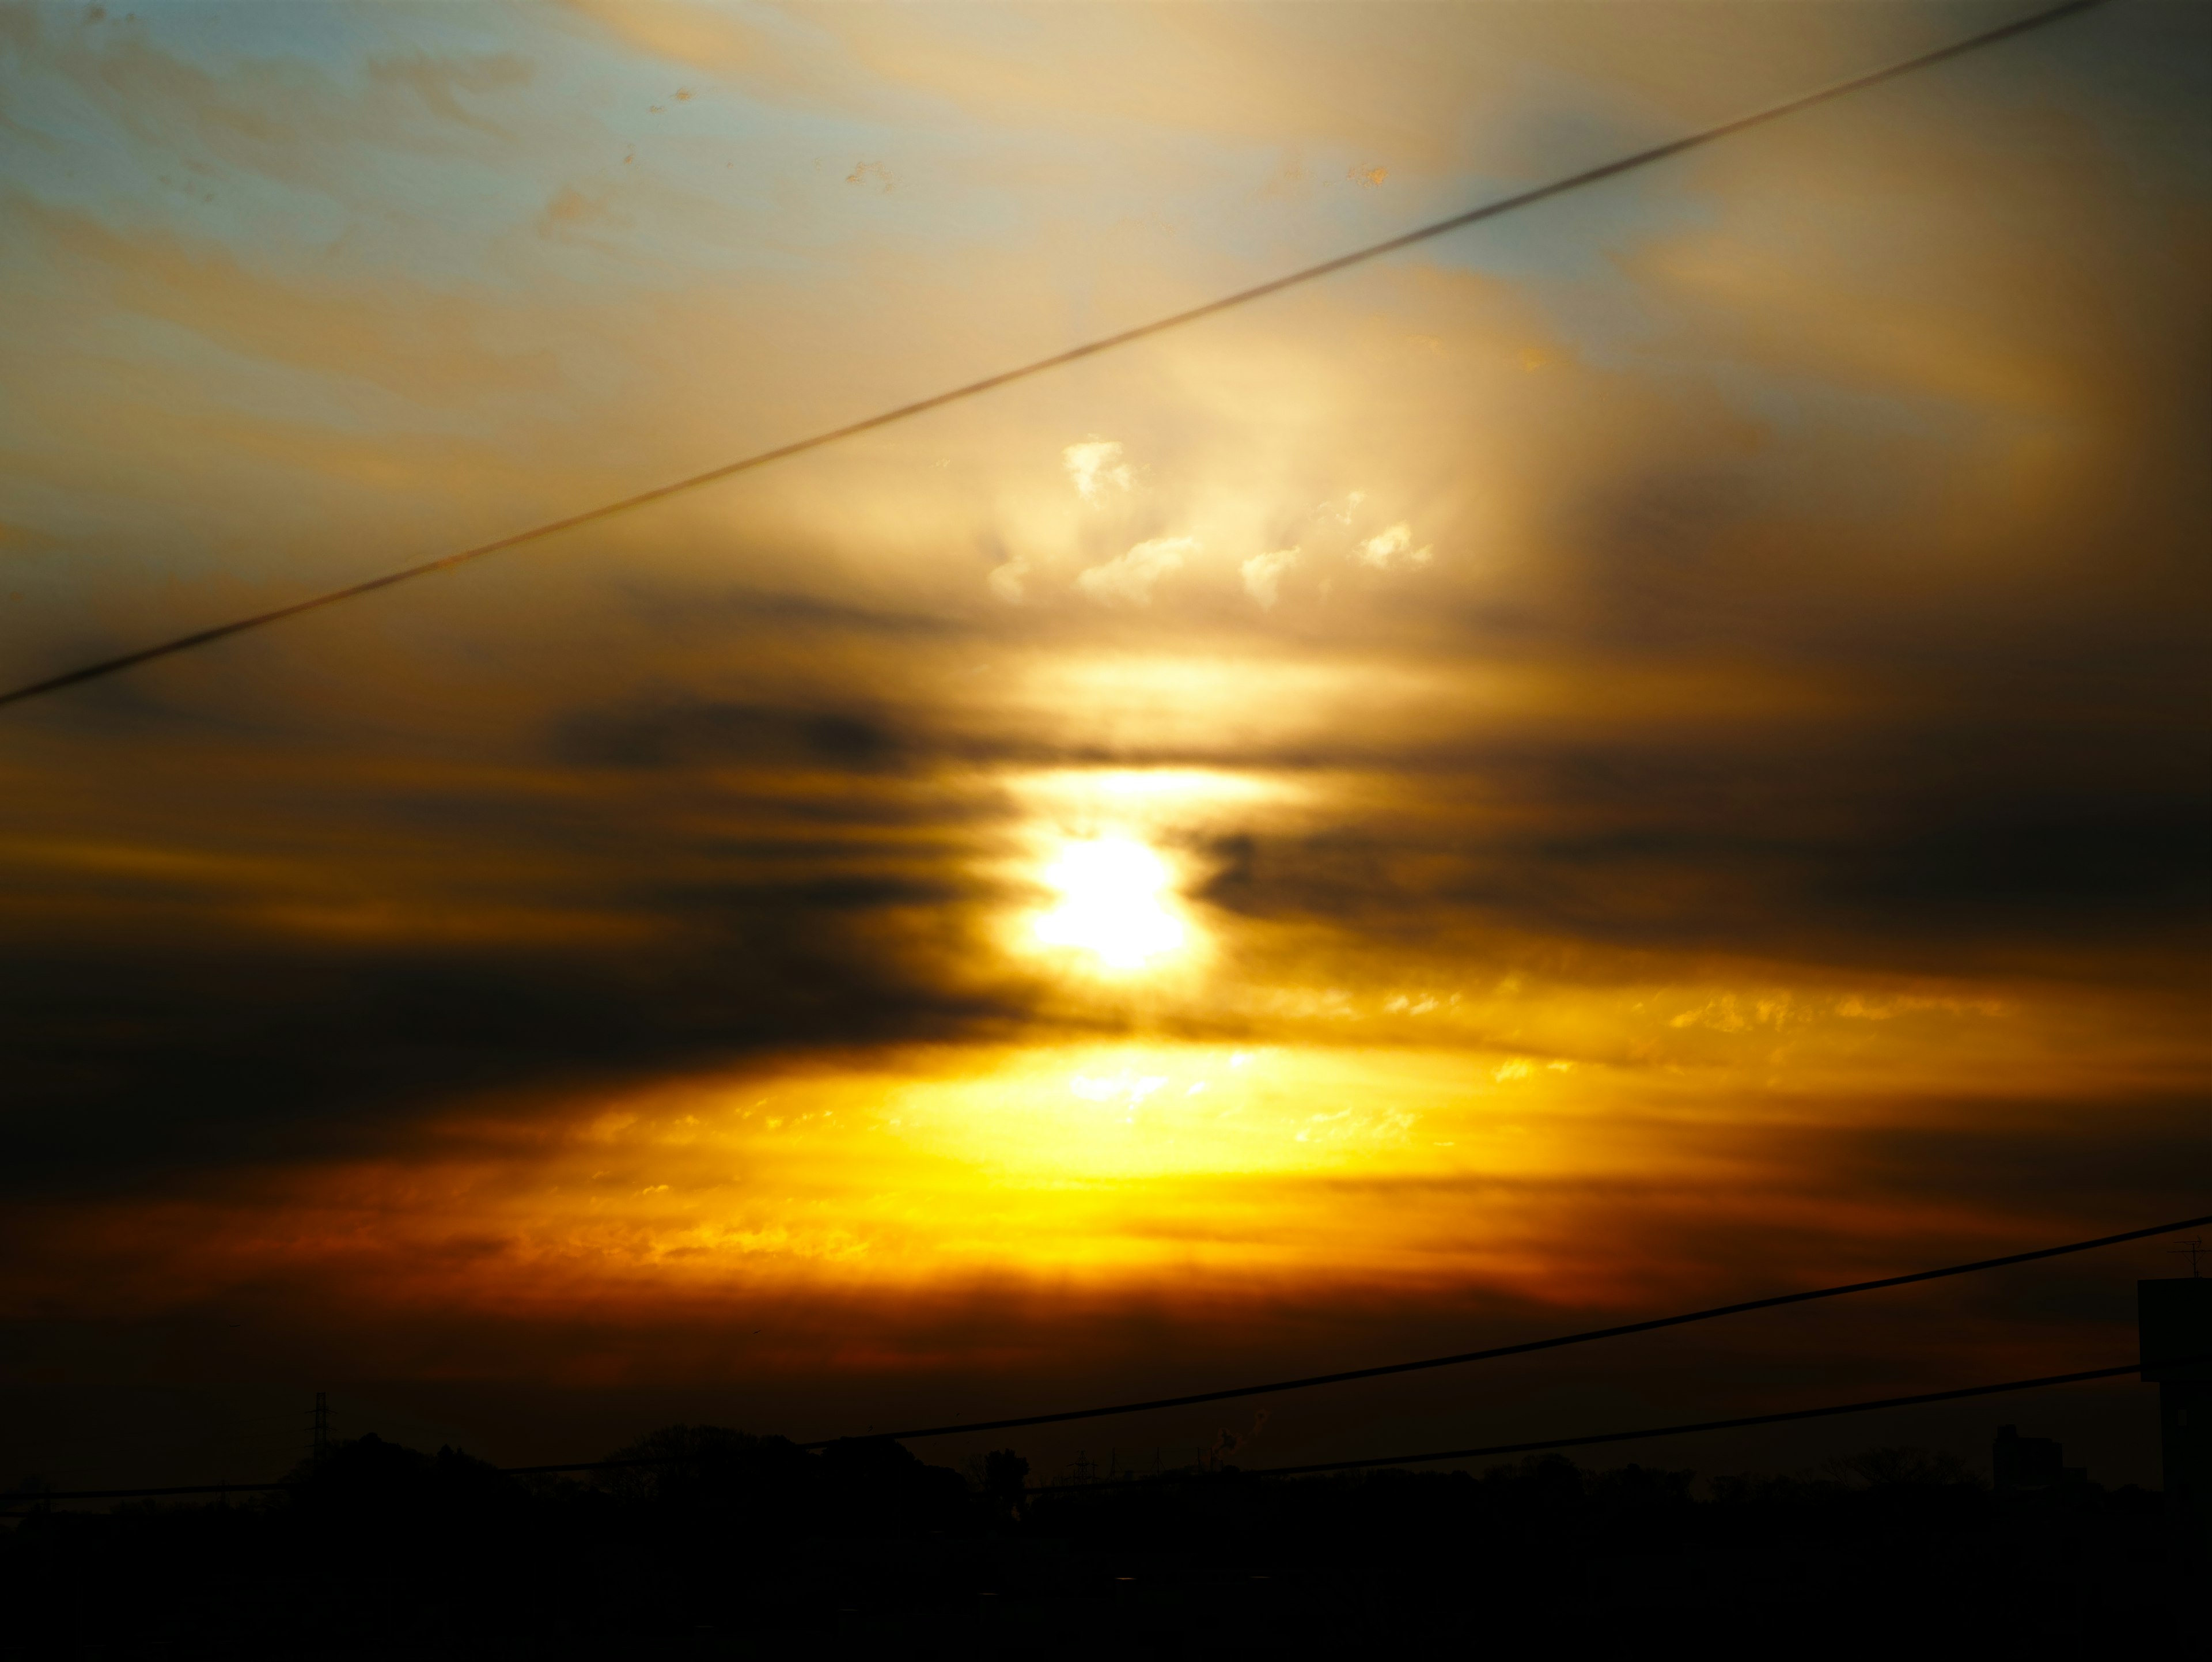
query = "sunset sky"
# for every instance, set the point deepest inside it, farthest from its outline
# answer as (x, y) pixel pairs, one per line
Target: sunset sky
(1649, 751)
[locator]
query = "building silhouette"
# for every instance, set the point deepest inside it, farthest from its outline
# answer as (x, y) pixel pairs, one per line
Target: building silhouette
(2174, 1320)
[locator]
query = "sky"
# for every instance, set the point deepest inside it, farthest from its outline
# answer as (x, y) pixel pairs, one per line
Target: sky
(1649, 751)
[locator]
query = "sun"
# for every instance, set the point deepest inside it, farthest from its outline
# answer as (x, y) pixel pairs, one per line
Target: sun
(1113, 903)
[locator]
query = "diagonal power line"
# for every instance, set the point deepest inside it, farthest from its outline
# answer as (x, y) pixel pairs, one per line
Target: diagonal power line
(1586, 1439)
(1526, 1347)
(1828, 1411)
(1407, 1367)
(107, 666)
(1404, 1367)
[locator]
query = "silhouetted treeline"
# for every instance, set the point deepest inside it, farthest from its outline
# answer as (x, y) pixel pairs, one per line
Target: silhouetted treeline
(734, 1545)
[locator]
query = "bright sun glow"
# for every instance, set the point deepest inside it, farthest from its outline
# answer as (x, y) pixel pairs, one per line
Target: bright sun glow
(1112, 903)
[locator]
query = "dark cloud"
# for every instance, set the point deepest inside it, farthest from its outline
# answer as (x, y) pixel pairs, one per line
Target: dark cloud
(744, 735)
(216, 1041)
(1830, 844)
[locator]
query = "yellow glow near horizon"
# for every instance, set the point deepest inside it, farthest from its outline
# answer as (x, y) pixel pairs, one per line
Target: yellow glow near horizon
(1096, 1164)
(1112, 903)
(1158, 1165)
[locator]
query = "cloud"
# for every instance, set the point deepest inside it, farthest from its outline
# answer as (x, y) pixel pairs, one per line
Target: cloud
(413, 340)
(1006, 581)
(439, 81)
(1391, 547)
(1129, 580)
(572, 210)
(1263, 574)
(1095, 466)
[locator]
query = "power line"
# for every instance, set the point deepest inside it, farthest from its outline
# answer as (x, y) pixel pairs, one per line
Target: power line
(1091, 349)
(1526, 1346)
(1360, 1374)
(1827, 1412)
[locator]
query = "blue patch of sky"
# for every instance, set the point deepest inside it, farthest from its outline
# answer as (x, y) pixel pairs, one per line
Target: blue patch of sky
(717, 182)
(426, 195)
(724, 182)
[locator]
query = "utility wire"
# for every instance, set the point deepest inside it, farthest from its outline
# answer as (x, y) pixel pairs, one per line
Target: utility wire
(106, 666)
(1828, 1412)
(1522, 1349)
(1368, 1374)
(1526, 1346)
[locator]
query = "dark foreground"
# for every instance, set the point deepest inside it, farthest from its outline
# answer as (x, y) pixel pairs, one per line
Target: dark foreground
(748, 1547)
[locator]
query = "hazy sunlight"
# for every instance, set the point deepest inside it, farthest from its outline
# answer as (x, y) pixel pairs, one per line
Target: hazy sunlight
(1111, 903)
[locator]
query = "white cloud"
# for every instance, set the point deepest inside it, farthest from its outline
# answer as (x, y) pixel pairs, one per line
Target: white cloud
(1128, 581)
(1095, 466)
(1718, 1013)
(1124, 1086)
(1263, 576)
(1006, 581)
(1384, 550)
